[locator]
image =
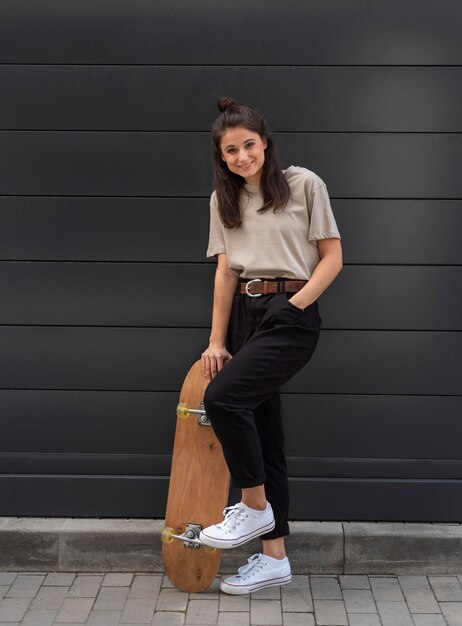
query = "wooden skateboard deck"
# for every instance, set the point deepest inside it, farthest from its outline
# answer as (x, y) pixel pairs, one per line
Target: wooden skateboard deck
(198, 492)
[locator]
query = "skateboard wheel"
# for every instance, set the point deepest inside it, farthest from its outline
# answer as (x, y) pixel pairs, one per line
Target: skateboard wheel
(167, 535)
(182, 410)
(210, 549)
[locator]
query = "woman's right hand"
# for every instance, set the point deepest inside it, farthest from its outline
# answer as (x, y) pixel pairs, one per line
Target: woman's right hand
(214, 359)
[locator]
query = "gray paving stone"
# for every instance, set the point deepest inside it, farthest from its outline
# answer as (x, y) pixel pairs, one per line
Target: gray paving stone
(386, 590)
(59, 579)
(325, 588)
(85, 586)
(172, 600)
(354, 582)
(269, 593)
(25, 586)
(166, 584)
(364, 619)
(296, 600)
(265, 612)
(117, 580)
(429, 620)
(421, 601)
(7, 578)
(298, 619)
(233, 619)
(138, 611)
(330, 613)
(168, 618)
(202, 612)
(104, 618)
(39, 618)
(145, 586)
(49, 598)
(3, 590)
(299, 581)
(418, 594)
(210, 594)
(234, 603)
(359, 601)
(75, 610)
(111, 599)
(13, 609)
(452, 612)
(446, 588)
(394, 614)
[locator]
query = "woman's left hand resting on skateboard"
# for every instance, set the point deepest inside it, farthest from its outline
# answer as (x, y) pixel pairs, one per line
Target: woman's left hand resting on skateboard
(216, 355)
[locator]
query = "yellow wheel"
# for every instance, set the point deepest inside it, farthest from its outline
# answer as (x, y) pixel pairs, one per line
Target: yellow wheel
(182, 410)
(210, 549)
(167, 535)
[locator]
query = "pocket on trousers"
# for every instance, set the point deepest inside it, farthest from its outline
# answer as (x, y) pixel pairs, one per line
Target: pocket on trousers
(281, 312)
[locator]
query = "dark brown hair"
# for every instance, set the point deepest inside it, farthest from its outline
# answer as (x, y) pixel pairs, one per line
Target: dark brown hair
(274, 187)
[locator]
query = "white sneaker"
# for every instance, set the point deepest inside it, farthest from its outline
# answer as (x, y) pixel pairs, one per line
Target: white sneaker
(261, 571)
(241, 524)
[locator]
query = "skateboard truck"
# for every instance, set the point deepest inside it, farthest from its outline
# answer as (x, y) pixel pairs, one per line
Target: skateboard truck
(190, 537)
(183, 411)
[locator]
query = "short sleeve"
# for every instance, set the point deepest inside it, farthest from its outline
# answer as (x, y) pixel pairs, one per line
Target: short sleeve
(322, 220)
(216, 235)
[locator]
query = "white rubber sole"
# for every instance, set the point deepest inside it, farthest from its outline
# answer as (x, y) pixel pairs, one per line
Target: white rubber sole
(237, 590)
(226, 544)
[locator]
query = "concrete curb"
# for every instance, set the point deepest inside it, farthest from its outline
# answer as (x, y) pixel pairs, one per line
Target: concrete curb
(129, 545)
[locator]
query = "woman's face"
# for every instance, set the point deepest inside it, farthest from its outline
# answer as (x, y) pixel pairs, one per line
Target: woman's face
(244, 153)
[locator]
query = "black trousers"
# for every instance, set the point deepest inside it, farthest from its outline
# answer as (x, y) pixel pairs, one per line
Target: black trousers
(270, 340)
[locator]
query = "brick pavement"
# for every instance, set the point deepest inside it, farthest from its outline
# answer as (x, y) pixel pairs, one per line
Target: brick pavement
(110, 599)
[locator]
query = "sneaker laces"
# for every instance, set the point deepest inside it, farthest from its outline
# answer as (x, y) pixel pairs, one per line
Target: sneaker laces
(254, 565)
(234, 515)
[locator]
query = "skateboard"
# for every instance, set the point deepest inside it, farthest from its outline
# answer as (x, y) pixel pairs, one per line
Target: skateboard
(198, 491)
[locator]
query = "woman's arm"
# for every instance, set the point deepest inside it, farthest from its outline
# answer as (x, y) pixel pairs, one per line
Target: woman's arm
(216, 355)
(329, 266)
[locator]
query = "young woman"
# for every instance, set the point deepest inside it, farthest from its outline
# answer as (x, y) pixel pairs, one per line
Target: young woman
(278, 249)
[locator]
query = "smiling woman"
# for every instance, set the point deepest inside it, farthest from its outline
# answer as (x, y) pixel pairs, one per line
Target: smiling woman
(237, 161)
(244, 153)
(265, 223)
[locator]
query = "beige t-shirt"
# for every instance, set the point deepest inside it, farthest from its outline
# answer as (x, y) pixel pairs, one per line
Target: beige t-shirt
(271, 245)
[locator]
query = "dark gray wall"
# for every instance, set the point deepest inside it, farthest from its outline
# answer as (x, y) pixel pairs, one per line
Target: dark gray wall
(105, 176)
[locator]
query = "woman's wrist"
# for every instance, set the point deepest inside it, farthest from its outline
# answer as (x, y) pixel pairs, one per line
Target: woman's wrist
(298, 302)
(217, 343)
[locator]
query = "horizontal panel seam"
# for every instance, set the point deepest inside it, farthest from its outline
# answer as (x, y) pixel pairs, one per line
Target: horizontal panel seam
(233, 65)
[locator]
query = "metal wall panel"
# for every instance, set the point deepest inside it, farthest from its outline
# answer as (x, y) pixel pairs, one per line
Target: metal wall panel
(156, 359)
(120, 97)
(311, 498)
(274, 32)
(319, 426)
(354, 165)
(175, 230)
(180, 294)
(106, 291)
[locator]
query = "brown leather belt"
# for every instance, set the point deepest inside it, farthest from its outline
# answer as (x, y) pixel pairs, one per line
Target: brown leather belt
(259, 287)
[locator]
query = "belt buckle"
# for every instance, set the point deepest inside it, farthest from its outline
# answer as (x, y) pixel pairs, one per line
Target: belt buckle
(252, 295)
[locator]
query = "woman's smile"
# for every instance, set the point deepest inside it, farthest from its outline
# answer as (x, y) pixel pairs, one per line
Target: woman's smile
(244, 153)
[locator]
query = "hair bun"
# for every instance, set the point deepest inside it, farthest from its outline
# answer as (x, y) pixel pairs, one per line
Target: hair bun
(225, 103)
